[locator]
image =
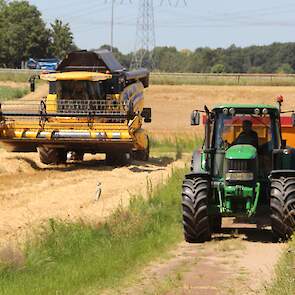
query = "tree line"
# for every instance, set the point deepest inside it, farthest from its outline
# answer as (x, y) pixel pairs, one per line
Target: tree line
(274, 58)
(24, 34)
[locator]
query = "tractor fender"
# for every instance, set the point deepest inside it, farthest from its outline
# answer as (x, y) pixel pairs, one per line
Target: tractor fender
(196, 162)
(275, 174)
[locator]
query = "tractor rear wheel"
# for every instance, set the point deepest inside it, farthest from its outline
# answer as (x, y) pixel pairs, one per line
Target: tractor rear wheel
(282, 203)
(196, 223)
(51, 155)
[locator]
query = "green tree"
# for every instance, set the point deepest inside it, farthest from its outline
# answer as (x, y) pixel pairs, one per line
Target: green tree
(285, 69)
(22, 33)
(61, 39)
(218, 68)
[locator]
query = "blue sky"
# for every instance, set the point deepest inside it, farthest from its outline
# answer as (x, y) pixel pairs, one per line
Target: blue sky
(213, 23)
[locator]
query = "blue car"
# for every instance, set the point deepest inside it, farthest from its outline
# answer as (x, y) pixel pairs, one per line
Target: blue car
(48, 64)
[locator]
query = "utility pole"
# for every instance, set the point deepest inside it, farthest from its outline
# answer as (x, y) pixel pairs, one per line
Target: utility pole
(145, 36)
(145, 40)
(112, 25)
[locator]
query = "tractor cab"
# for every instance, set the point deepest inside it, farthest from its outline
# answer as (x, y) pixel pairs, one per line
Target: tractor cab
(244, 133)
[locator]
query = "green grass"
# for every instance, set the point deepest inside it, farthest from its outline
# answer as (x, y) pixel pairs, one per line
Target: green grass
(177, 144)
(75, 258)
(8, 93)
(188, 79)
(284, 282)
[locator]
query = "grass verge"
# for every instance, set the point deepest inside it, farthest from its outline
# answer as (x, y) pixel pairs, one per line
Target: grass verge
(8, 93)
(284, 282)
(176, 143)
(75, 258)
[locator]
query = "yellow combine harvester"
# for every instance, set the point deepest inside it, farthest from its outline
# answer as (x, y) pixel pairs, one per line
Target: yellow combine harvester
(94, 106)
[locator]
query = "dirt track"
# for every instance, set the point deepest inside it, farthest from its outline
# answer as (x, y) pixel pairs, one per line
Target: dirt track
(31, 193)
(240, 260)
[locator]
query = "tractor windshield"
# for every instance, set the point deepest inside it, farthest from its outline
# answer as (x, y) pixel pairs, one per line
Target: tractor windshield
(261, 131)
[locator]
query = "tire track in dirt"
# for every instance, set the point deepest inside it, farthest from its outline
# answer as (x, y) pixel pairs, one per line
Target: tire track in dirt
(240, 260)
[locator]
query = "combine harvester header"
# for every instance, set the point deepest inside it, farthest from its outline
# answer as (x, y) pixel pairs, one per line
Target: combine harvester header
(93, 106)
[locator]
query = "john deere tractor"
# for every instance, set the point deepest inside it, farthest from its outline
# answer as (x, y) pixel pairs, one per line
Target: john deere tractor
(240, 173)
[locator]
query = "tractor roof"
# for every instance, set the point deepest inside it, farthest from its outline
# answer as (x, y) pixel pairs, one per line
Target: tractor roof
(246, 106)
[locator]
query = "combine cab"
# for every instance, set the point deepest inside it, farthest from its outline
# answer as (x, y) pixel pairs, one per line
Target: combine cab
(94, 106)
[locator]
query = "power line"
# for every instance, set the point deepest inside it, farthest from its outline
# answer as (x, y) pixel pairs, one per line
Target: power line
(145, 36)
(145, 39)
(113, 2)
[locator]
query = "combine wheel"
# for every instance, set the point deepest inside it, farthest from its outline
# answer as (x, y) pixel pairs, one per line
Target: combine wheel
(142, 155)
(77, 156)
(51, 155)
(282, 205)
(118, 159)
(195, 210)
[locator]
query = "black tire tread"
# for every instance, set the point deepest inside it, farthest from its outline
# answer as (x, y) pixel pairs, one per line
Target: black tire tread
(48, 155)
(195, 210)
(51, 156)
(282, 205)
(142, 155)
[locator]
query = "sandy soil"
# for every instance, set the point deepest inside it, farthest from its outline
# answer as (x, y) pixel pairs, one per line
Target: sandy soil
(31, 193)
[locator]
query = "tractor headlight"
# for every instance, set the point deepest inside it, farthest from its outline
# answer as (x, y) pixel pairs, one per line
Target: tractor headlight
(239, 176)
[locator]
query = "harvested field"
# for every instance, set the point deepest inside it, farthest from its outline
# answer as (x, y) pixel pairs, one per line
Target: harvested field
(32, 193)
(172, 105)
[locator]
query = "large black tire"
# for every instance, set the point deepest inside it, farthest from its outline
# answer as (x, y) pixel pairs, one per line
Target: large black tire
(216, 223)
(282, 203)
(50, 156)
(143, 155)
(77, 156)
(196, 223)
(118, 159)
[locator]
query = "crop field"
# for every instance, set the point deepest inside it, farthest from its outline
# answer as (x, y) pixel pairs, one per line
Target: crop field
(57, 238)
(222, 79)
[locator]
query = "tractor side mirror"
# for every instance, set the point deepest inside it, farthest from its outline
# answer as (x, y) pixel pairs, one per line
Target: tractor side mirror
(147, 115)
(284, 144)
(195, 118)
(293, 119)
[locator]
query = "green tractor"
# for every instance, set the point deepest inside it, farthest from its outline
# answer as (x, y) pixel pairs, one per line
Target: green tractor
(244, 169)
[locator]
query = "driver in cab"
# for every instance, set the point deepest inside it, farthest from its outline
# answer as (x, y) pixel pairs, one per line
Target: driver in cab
(247, 136)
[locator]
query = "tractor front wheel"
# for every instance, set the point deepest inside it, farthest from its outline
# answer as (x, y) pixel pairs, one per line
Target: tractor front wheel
(196, 222)
(216, 223)
(282, 203)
